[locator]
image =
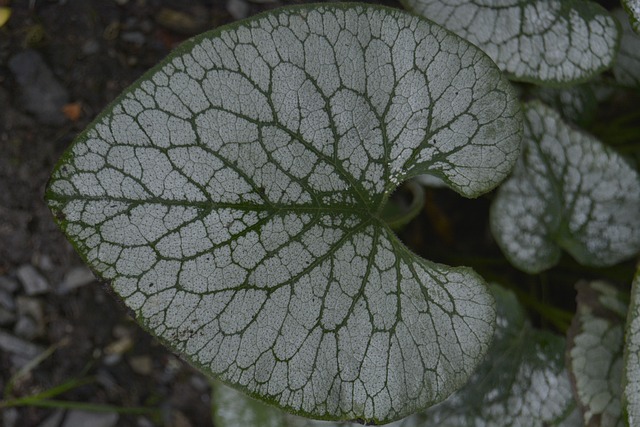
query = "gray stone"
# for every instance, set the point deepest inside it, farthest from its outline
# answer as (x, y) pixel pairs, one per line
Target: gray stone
(26, 328)
(40, 93)
(78, 418)
(75, 278)
(18, 346)
(9, 417)
(144, 422)
(30, 324)
(239, 9)
(134, 37)
(53, 420)
(90, 47)
(32, 281)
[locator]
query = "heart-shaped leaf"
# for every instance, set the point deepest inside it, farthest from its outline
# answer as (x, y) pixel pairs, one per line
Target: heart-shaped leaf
(568, 191)
(631, 361)
(541, 41)
(233, 196)
(522, 382)
(594, 353)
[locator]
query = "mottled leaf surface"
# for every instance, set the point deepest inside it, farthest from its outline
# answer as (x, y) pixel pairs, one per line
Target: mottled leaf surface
(595, 353)
(568, 191)
(626, 68)
(522, 382)
(633, 9)
(631, 376)
(232, 198)
(552, 41)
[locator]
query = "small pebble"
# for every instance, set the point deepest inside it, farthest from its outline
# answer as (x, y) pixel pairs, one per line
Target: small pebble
(199, 383)
(40, 92)
(134, 37)
(90, 47)
(6, 300)
(53, 420)
(32, 281)
(239, 9)
(75, 278)
(18, 346)
(142, 365)
(9, 417)
(144, 422)
(30, 324)
(112, 359)
(79, 418)
(26, 328)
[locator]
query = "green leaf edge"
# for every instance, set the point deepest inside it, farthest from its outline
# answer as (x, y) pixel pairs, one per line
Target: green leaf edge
(562, 239)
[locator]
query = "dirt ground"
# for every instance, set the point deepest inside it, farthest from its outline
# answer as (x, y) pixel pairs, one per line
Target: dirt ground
(62, 62)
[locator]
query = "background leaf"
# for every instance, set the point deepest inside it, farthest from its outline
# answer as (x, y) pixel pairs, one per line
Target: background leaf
(626, 68)
(595, 352)
(568, 191)
(540, 41)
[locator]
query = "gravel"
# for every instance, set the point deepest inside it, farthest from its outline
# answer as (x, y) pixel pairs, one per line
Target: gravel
(41, 94)
(32, 281)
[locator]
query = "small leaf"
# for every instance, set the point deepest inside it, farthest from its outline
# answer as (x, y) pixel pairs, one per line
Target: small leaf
(626, 68)
(522, 382)
(568, 191)
(233, 197)
(633, 9)
(595, 353)
(540, 41)
(631, 363)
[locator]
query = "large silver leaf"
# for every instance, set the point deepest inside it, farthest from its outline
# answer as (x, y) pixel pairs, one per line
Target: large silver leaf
(232, 198)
